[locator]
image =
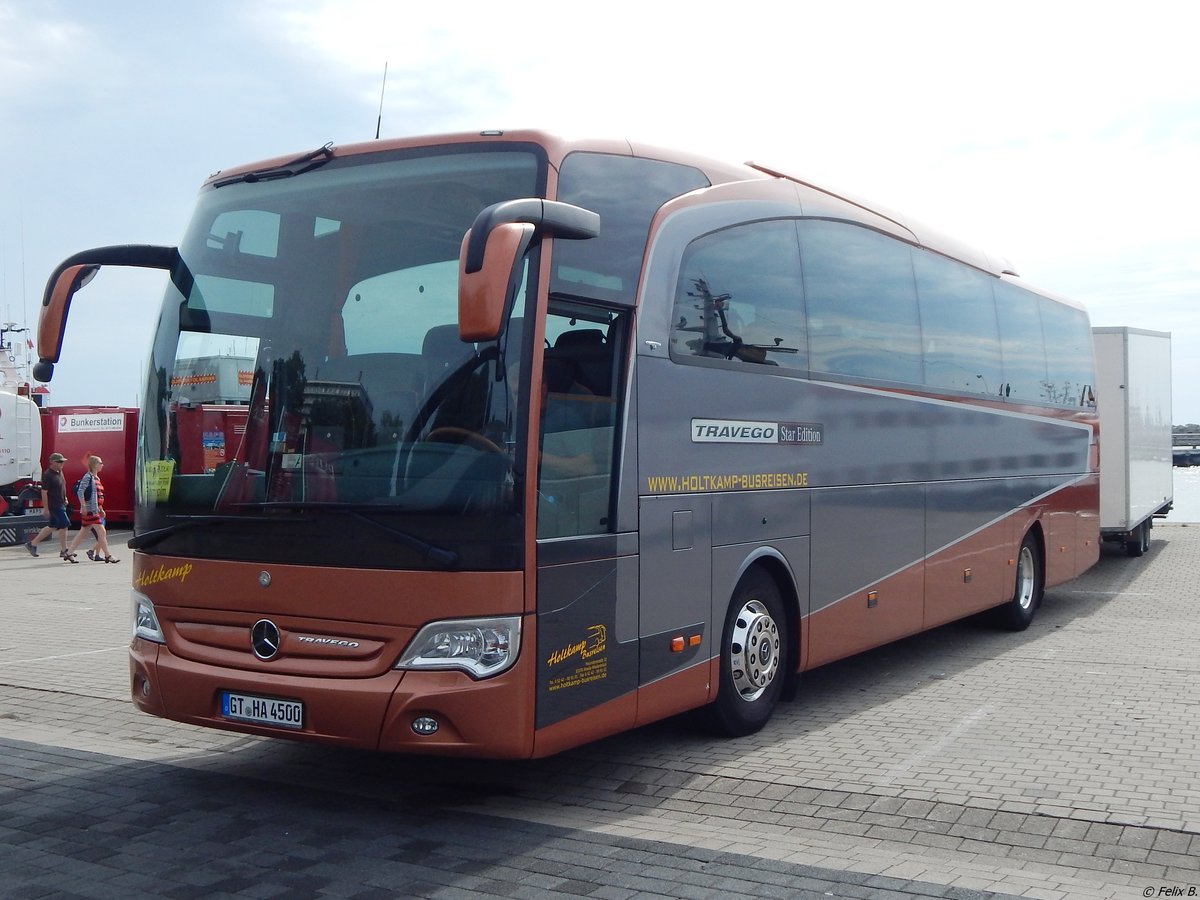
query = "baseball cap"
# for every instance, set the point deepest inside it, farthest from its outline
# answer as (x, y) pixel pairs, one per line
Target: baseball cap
(57, 457)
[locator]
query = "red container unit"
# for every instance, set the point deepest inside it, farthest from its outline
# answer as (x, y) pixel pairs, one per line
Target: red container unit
(109, 432)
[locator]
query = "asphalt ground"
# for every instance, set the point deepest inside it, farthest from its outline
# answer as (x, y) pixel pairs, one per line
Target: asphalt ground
(966, 762)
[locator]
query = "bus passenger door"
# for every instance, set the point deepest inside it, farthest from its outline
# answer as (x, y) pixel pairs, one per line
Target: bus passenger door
(676, 589)
(587, 636)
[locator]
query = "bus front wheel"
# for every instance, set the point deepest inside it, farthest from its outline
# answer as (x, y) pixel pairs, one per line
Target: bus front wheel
(754, 657)
(1017, 613)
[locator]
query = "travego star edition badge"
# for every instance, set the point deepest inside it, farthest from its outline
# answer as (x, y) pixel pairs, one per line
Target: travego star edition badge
(732, 431)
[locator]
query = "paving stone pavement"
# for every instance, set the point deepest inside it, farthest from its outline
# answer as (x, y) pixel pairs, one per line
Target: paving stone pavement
(1060, 762)
(91, 825)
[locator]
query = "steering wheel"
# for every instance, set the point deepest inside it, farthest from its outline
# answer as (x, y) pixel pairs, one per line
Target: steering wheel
(451, 383)
(464, 436)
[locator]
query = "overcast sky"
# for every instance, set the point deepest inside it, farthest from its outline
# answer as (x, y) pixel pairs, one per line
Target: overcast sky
(1063, 136)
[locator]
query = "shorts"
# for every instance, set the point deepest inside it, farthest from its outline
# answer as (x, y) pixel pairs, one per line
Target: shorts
(58, 519)
(87, 521)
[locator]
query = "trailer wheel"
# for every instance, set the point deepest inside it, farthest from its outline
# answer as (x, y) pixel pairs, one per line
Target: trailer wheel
(1017, 613)
(754, 657)
(28, 498)
(1140, 541)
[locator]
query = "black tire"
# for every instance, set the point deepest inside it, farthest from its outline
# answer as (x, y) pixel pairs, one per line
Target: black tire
(754, 657)
(27, 499)
(1028, 589)
(1140, 542)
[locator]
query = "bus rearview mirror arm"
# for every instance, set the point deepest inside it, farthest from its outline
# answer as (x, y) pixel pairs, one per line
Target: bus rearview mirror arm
(489, 260)
(561, 220)
(72, 274)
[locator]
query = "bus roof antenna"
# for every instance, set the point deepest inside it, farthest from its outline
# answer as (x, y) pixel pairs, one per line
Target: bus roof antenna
(382, 88)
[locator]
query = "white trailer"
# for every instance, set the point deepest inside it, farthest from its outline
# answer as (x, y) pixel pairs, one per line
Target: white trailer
(1133, 396)
(20, 444)
(20, 468)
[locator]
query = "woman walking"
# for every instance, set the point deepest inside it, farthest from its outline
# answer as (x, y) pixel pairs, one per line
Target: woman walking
(91, 510)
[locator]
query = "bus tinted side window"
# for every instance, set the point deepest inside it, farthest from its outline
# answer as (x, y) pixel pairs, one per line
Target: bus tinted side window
(958, 326)
(862, 303)
(740, 299)
(1069, 372)
(857, 304)
(1022, 343)
(626, 192)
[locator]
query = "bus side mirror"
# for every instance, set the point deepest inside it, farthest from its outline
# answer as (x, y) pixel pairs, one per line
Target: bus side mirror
(483, 294)
(489, 262)
(71, 275)
(52, 321)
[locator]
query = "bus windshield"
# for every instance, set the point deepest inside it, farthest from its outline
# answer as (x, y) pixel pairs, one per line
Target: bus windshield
(309, 381)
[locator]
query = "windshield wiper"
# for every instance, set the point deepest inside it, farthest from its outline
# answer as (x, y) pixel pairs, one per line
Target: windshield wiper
(432, 552)
(297, 166)
(158, 535)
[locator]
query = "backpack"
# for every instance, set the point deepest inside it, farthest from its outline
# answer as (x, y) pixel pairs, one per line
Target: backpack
(84, 488)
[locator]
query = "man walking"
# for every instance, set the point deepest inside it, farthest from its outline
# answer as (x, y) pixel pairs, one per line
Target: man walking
(54, 501)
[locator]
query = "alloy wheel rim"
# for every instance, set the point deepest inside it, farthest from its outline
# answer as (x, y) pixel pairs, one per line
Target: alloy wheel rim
(754, 650)
(1025, 578)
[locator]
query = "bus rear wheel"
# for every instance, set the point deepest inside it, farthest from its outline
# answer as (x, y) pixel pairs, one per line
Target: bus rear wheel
(754, 657)
(1017, 613)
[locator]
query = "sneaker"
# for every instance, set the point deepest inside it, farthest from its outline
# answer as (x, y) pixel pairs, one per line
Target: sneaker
(32, 549)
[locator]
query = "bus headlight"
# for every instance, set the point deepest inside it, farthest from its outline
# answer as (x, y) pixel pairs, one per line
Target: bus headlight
(145, 622)
(479, 647)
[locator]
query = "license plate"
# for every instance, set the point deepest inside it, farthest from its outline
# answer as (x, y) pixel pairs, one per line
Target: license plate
(262, 710)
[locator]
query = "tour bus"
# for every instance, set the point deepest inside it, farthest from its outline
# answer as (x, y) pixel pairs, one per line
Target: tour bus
(547, 439)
